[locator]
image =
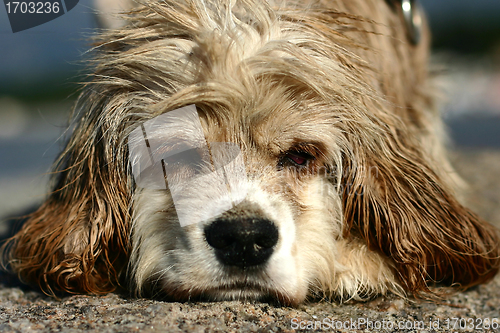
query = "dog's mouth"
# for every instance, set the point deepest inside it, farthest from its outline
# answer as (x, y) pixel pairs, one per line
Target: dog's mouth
(240, 288)
(234, 290)
(247, 292)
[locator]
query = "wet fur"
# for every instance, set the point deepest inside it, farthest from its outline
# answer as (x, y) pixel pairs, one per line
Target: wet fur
(375, 210)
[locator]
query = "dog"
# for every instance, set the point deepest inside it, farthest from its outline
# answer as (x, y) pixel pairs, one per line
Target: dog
(257, 150)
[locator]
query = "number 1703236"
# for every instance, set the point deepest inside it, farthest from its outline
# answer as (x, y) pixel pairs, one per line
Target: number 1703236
(33, 7)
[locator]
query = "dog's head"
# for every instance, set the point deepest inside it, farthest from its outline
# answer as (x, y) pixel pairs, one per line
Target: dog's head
(252, 149)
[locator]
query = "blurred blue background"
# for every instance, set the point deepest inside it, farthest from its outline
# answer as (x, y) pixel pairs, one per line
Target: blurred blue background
(45, 59)
(40, 68)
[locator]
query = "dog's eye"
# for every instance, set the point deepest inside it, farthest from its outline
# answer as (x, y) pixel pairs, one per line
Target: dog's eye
(189, 160)
(296, 159)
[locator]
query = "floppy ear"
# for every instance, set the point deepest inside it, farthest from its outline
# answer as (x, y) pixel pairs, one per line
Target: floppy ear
(77, 240)
(401, 208)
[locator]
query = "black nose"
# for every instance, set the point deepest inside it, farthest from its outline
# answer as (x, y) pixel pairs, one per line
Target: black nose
(242, 242)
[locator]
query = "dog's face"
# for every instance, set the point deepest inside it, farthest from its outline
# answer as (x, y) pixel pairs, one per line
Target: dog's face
(295, 152)
(270, 240)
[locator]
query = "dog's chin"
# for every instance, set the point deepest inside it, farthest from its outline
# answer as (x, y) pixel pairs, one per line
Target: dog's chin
(232, 283)
(249, 293)
(236, 291)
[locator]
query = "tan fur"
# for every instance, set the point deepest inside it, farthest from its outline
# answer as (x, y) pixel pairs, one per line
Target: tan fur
(374, 211)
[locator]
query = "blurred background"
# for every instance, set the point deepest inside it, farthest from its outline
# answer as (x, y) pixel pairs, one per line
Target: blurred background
(40, 68)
